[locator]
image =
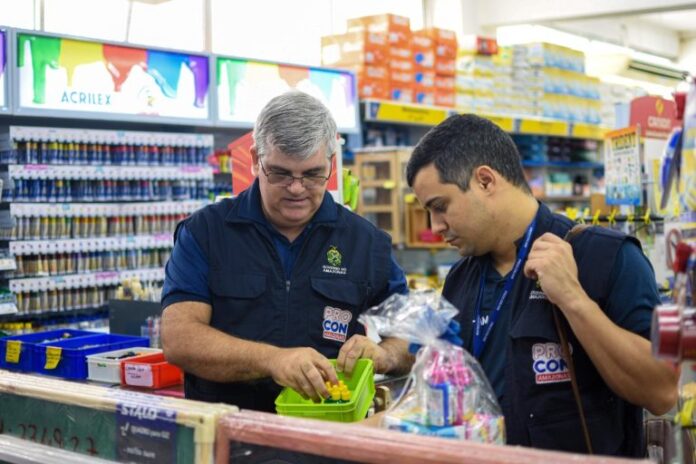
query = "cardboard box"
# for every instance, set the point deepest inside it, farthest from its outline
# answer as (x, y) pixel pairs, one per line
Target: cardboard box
(445, 41)
(424, 95)
(445, 66)
(401, 93)
(369, 71)
(425, 79)
(423, 51)
(401, 77)
(380, 23)
(374, 88)
(397, 28)
(401, 65)
(354, 48)
(444, 82)
(444, 97)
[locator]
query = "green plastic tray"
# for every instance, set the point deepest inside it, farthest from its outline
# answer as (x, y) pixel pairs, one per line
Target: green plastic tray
(361, 384)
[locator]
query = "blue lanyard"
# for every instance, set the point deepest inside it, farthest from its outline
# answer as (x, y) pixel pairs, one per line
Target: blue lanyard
(481, 339)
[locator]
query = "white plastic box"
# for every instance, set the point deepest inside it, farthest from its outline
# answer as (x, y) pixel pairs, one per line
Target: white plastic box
(106, 367)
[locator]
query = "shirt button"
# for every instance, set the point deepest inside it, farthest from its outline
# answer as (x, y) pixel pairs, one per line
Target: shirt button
(531, 416)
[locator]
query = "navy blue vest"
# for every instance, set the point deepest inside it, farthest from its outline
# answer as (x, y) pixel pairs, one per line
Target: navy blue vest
(344, 264)
(544, 415)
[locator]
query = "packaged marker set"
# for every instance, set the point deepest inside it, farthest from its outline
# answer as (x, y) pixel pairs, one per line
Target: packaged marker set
(447, 394)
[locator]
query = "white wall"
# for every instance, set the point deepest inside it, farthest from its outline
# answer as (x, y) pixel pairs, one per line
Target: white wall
(687, 55)
(628, 32)
(501, 12)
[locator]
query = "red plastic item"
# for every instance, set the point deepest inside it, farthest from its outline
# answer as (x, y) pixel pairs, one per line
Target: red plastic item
(151, 371)
(429, 236)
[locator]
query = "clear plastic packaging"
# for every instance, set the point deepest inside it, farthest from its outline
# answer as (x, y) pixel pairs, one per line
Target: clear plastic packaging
(447, 393)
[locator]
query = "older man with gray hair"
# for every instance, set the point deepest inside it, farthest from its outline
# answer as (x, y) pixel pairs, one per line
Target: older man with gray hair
(263, 289)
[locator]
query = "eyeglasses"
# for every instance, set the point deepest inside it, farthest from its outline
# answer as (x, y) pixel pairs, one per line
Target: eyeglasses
(286, 180)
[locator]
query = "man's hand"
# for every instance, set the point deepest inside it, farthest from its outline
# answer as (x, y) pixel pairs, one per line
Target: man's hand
(303, 369)
(551, 262)
(359, 346)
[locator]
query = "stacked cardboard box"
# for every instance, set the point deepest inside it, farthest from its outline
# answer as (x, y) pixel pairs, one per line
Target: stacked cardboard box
(445, 42)
(398, 63)
(366, 54)
(424, 65)
(484, 77)
(549, 80)
(392, 62)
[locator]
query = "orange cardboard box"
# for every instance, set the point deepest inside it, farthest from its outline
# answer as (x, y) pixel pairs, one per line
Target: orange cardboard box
(401, 77)
(445, 82)
(401, 65)
(397, 28)
(423, 51)
(425, 79)
(444, 97)
(374, 88)
(369, 71)
(353, 48)
(445, 41)
(424, 96)
(445, 66)
(401, 93)
(380, 23)
(400, 53)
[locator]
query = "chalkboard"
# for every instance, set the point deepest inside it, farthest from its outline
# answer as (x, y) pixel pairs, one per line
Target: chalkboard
(74, 428)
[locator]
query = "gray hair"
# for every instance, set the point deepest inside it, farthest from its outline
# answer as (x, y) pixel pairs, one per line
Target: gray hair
(297, 124)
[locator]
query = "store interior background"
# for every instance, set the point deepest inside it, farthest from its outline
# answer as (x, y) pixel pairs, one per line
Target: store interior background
(611, 34)
(616, 37)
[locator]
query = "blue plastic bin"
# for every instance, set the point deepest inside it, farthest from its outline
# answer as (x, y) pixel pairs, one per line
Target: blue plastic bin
(73, 362)
(26, 352)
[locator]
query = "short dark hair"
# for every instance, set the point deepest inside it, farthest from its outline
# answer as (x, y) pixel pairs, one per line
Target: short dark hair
(460, 144)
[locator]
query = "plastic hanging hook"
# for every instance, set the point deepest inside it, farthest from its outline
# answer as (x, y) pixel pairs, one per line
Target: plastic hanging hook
(595, 218)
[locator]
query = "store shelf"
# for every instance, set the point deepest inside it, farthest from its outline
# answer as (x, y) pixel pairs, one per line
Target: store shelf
(7, 264)
(93, 279)
(114, 137)
(384, 111)
(33, 247)
(7, 309)
(109, 210)
(566, 199)
(562, 164)
(70, 172)
(33, 315)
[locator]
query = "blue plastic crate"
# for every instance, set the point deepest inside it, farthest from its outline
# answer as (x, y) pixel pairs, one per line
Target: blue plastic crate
(29, 340)
(72, 363)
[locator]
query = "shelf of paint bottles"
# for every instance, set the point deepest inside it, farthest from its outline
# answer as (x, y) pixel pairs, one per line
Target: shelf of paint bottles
(148, 210)
(46, 171)
(84, 280)
(64, 190)
(57, 264)
(54, 146)
(33, 247)
(156, 228)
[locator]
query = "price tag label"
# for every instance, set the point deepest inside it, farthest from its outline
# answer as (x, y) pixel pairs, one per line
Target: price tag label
(52, 357)
(12, 351)
(394, 112)
(138, 375)
(531, 126)
(505, 123)
(587, 131)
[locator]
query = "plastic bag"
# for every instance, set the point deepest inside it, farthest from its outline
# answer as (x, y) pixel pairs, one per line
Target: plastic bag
(447, 394)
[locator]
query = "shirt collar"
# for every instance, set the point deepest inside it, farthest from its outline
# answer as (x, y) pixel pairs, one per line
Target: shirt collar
(543, 220)
(250, 207)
